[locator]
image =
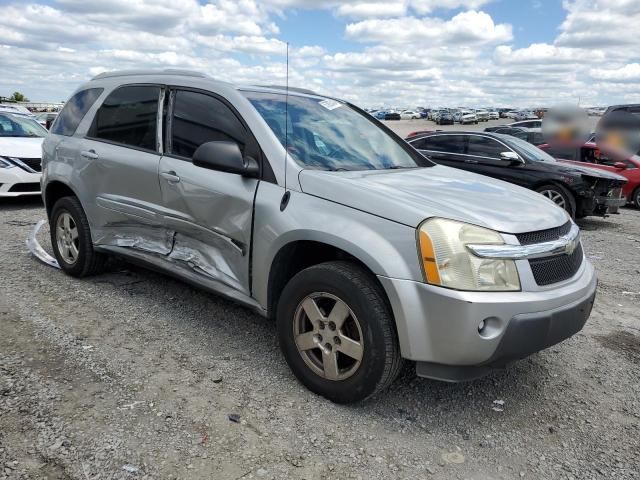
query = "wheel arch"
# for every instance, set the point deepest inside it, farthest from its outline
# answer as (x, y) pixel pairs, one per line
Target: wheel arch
(54, 191)
(297, 255)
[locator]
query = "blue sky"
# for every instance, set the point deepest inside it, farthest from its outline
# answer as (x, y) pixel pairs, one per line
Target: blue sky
(372, 52)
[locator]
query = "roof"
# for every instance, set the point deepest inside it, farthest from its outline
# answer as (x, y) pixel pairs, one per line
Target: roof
(166, 71)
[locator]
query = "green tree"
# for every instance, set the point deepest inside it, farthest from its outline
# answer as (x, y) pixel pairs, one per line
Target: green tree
(18, 97)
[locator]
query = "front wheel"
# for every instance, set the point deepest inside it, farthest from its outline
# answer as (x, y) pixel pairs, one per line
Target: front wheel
(71, 239)
(636, 198)
(337, 333)
(560, 196)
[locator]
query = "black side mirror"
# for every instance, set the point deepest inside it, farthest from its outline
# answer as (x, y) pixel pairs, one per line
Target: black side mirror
(225, 156)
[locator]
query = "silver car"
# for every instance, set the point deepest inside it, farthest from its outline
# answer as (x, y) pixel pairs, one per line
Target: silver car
(308, 210)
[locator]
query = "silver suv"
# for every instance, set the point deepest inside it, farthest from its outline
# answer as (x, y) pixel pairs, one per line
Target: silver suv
(308, 210)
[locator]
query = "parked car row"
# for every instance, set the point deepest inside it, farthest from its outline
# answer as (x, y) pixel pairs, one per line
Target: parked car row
(270, 200)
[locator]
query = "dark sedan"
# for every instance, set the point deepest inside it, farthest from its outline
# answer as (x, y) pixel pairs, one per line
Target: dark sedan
(581, 191)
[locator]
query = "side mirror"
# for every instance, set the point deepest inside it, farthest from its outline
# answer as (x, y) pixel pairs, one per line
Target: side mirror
(512, 157)
(620, 165)
(225, 156)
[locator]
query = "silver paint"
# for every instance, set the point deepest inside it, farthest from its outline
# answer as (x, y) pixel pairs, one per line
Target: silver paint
(36, 249)
(205, 227)
(565, 245)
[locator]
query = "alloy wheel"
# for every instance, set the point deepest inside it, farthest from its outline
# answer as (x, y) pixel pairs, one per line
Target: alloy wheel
(67, 238)
(328, 336)
(555, 197)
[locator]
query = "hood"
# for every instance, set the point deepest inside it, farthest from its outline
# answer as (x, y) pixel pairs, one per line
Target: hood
(572, 168)
(409, 196)
(21, 147)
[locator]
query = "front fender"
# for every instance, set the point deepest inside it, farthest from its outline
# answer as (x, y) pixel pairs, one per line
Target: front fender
(387, 248)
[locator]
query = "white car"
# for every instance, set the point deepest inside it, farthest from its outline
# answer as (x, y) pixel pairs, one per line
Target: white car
(20, 155)
(468, 117)
(409, 115)
(494, 116)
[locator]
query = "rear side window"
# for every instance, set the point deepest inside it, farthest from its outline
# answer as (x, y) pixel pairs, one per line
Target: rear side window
(445, 143)
(74, 111)
(485, 147)
(129, 116)
(199, 118)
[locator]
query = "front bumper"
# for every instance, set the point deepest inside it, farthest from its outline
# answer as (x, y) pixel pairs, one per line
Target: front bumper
(439, 326)
(15, 182)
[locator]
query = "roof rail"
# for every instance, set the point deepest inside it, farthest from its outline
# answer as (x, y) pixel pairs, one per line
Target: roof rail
(291, 89)
(166, 71)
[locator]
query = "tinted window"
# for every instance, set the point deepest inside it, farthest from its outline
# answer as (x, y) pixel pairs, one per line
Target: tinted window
(485, 147)
(129, 115)
(445, 143)
(74, 111)
(420, 144)
(200, 118)
(565, 153)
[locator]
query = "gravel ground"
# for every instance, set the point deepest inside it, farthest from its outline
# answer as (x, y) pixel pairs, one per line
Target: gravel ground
(131, 374)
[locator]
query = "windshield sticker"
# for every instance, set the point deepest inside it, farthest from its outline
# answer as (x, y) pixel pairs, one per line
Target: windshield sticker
(330, 104)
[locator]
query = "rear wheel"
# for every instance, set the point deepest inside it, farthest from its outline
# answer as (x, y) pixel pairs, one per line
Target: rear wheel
(71, 239)
(560, 196)
(336, 332)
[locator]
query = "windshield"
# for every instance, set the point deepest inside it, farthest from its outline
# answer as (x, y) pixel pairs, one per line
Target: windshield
(527, 150)
(329, 135)
(18, 126)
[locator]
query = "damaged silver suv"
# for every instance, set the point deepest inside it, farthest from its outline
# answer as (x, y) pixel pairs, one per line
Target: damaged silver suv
(308, 210)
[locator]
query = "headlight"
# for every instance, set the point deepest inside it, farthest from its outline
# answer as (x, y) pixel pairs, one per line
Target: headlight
(447, 261)
(5, 163)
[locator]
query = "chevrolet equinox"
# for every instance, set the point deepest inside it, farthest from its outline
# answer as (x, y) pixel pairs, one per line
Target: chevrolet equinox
(310, 211)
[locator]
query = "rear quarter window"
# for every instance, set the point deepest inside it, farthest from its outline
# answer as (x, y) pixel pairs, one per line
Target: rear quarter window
(74, 111)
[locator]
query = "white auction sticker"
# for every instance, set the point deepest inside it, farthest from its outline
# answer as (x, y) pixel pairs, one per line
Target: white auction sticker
(330, 104)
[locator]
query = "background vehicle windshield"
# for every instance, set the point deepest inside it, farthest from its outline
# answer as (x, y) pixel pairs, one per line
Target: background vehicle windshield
(527, 150)
(329, 135)
(18, 126)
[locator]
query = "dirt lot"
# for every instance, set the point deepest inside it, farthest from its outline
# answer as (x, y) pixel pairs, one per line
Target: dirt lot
(131, 374)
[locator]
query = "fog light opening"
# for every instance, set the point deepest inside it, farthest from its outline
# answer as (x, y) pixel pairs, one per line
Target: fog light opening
(490, 327)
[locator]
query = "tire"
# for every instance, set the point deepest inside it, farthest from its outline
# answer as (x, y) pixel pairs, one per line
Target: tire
(635, 197)
(560, 196)
(368, 322)
(71, 239)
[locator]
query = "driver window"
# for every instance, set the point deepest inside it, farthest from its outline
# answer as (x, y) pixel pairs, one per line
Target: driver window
(200, 118)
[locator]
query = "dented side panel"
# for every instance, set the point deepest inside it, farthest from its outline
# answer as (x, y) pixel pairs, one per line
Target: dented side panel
(211, 213)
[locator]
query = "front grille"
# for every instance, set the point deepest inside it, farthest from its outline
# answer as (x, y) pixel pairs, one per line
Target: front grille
(549, 270)
(33, 163)
(541, 236)
(556, 269)
(25, 187)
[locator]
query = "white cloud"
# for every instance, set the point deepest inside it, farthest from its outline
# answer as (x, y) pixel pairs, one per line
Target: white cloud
(410, 52)
(471, 27)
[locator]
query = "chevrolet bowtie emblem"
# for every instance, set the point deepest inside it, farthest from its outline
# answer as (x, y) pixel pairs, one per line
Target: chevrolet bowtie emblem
(572, 243)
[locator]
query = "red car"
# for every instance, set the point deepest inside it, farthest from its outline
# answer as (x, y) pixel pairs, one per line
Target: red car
(616, 162)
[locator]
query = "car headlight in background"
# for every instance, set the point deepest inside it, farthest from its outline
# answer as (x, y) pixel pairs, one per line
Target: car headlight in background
(448, 263)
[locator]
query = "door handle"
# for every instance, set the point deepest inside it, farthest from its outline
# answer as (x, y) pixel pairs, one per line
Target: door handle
(469, 160)
(90, 154)
(170, 177)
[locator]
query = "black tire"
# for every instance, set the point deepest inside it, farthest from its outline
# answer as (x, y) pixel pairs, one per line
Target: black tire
(381, 361)
(635, 197)
(88, 261)
(567, 196)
